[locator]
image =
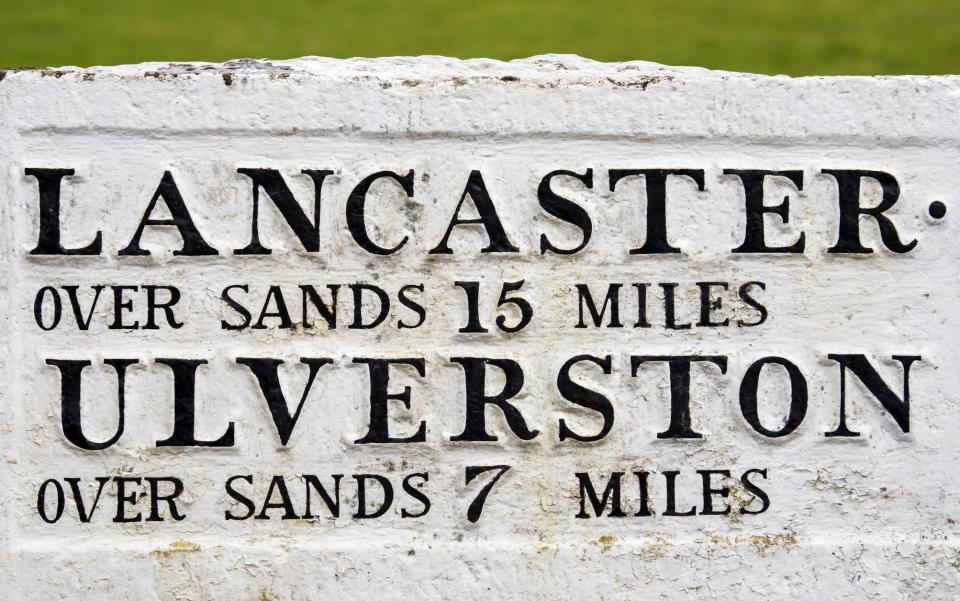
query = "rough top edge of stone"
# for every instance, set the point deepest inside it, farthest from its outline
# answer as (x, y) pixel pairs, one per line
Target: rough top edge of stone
(541, 67)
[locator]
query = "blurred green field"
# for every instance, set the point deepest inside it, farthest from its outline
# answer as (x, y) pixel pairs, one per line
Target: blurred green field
(773, 36)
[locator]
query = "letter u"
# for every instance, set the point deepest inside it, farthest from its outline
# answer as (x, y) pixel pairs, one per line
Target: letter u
(70, 377)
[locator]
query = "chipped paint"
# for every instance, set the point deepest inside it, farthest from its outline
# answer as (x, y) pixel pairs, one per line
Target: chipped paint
(867, 517)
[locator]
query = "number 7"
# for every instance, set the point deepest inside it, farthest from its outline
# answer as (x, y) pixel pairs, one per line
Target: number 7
(471, 472)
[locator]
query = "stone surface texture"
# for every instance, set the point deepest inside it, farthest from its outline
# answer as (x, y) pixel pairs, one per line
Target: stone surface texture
(872, 517)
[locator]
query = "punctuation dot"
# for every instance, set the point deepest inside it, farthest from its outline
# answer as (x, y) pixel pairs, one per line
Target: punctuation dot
(937, 209)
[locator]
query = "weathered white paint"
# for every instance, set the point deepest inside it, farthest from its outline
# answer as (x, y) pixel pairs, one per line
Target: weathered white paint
(873, 517)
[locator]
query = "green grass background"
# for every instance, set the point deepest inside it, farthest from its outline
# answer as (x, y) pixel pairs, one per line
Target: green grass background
(797, 37)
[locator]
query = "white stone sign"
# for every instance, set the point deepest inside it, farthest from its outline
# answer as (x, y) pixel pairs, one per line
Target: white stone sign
(427, 328)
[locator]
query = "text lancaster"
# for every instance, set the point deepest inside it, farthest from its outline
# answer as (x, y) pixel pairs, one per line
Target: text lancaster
(759, 212)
